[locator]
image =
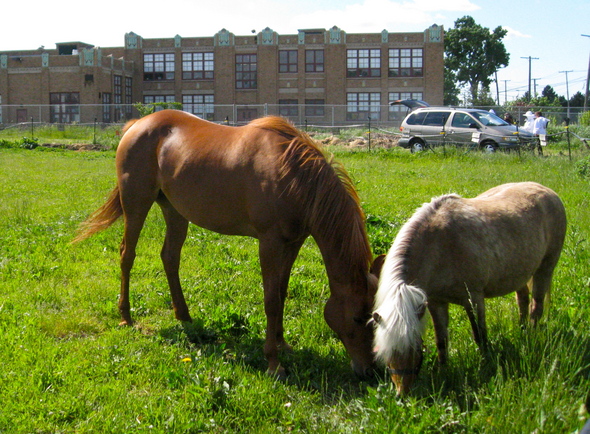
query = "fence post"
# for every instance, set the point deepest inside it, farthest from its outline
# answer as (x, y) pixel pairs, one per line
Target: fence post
(94, 133)
(567, 132)
(369, 132)
(32, 128)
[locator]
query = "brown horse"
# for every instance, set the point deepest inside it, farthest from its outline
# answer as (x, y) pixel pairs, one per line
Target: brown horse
(265, 180)
(461, 251)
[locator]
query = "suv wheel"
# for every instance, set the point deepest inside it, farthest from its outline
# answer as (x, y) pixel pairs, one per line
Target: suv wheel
(489, 147)
(417, 146)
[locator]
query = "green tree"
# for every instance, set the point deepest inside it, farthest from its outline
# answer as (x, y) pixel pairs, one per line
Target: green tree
(549, 93)
(474, 53)
(577, 100)
(451, 91)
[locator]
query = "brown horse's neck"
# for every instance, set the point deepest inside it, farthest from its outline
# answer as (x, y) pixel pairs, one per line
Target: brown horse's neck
(330, 208)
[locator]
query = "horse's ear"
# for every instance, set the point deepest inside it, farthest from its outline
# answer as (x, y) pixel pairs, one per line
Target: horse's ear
(377, 265)
(421, 310)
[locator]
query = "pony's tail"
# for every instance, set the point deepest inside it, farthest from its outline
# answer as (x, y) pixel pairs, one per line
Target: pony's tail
(102, 218)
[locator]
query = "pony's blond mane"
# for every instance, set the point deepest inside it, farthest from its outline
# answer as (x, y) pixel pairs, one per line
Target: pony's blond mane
(324, 189)
(398, 304)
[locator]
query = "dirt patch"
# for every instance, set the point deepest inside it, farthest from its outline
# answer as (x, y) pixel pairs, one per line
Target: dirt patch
(378, 140)
(76, 146)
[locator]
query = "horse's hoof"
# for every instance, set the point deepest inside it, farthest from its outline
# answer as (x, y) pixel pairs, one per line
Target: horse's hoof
(279, 373)
(126, 322)
(284, 346)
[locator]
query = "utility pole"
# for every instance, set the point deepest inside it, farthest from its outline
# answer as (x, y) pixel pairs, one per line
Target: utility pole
(497, 89)
(530, 59)
(587, 82)
(567, 90)
(535, 86)
(505, 91)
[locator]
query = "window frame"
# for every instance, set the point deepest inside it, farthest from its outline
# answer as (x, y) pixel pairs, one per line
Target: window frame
(202, 105)
(362, 105)
(288, 61)
(289, 108)
(363, 62)
(406, 62)
(315, 60)
(198, 65)
(315, 107)
(64, 107)
(158, 66)
(246, 68)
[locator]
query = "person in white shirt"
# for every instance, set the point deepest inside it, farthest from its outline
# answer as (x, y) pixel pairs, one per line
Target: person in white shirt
(540, 125)
(530, 120)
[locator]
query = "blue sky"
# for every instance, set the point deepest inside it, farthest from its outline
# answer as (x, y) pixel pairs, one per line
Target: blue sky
(545, 29)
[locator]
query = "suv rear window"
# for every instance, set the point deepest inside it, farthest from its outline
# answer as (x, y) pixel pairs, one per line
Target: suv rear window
(416, 118)
(436, 119)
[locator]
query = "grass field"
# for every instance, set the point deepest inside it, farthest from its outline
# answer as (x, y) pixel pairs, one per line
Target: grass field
(68, 367)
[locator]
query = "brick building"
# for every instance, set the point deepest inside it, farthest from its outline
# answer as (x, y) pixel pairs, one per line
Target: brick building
(320, 76)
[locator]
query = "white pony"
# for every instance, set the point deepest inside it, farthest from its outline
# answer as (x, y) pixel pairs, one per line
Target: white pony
(461, 251)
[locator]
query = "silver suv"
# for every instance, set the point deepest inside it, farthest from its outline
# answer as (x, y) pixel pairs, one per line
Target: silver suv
(432, 126)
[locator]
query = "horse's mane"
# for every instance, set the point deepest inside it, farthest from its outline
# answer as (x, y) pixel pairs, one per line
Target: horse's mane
(325, 191)
(399, 306)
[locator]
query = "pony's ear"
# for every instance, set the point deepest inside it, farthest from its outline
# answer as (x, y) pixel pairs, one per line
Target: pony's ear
(377, 265)
(377, 319)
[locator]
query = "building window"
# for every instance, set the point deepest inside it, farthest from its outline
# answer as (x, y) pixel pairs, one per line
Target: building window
(158, 66)
(65, 107)
(363, 63)
(128, 97)
(314, 107)
(197, 66)
(398, 111)
(152, 99)
(288, 61)
(314, 60)
(199, 105)
(106, 107)
(406, 62)
(362, 106)
(289, 107)
(246, 71)
(118, 96)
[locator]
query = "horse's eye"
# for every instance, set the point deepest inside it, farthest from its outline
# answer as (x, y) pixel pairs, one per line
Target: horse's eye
(362, 320)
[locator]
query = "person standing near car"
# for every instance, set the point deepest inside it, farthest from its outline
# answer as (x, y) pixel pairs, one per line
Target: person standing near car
(529, 121)
(540, 131)
(540, 124)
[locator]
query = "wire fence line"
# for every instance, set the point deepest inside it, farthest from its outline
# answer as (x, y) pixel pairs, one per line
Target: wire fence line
(310, 115)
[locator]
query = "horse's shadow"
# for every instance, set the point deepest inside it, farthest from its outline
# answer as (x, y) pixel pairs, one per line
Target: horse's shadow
(329, 373)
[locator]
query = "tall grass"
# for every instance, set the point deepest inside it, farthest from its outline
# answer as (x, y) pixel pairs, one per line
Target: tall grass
(68, 367)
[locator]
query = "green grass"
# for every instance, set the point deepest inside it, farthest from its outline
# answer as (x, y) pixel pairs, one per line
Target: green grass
(68, 367)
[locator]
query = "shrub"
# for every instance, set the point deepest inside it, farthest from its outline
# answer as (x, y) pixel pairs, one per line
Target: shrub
(585, 119)
(27, 143)
(583, 167)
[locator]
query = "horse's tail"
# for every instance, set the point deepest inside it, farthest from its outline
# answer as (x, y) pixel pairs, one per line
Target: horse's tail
(399, 318)
(102, 218)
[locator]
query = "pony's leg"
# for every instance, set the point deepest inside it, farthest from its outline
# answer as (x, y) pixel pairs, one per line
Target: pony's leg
(523, 299)
(440, 319)
(276, 261)
(541, 287)
(176, 230)
(475, 309)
